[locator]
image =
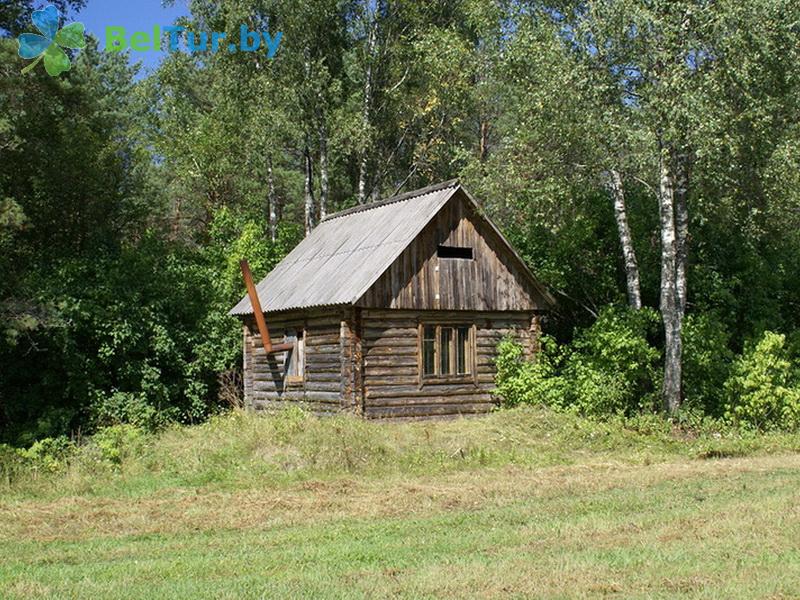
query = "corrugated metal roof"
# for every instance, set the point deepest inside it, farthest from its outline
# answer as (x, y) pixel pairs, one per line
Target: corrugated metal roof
(347, 252)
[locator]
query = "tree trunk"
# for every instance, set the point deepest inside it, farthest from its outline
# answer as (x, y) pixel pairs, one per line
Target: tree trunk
(271, 202)
(681, 228)
(626, 240)
(670, 312)
(484, 141)
(366, 110)
(323, 169)
(308, 191)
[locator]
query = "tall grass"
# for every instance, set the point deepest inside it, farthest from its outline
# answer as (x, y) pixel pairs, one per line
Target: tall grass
(240, 450)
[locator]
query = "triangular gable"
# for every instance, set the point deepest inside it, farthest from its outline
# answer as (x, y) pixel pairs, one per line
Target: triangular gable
(496, 279)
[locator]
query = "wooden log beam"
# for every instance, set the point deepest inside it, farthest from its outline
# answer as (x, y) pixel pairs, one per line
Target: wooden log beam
(259, 314)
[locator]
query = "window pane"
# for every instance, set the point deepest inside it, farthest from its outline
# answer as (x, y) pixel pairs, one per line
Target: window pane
(445, 343)
(463, 351)
(295, 358)
(300, 355)
(290, 364)
(428, 350)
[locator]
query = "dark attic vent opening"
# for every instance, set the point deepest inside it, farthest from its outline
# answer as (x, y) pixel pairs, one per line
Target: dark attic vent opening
(454, 252)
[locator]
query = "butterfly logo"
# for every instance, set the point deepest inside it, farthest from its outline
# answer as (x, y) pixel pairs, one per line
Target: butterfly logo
(49, 46)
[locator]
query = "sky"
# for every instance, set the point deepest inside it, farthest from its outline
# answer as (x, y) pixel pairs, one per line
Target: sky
(133, 15)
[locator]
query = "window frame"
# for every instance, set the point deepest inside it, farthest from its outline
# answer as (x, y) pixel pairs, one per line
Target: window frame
(470, 346)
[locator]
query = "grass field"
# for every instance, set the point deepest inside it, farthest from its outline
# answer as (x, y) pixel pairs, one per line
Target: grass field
(523, 503)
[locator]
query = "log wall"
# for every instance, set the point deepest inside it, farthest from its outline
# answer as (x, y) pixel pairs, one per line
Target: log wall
(367, 361)
(265, 384)
(393, 385)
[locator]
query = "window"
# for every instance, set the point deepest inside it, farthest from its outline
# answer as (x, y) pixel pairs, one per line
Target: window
(294, 364)
(447, 350)
(462, 252)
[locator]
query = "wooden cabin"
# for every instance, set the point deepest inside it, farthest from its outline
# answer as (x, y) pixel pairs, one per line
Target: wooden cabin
(392, 310)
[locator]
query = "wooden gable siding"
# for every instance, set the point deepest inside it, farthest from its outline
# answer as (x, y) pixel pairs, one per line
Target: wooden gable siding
(418, 279)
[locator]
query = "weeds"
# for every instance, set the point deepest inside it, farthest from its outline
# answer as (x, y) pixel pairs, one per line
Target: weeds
(238, 450)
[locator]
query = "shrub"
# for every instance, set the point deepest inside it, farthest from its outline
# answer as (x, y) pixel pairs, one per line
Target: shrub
(522, 382)
(118, 442)
(707, 360)
(50, 454)
(613, 365)
(12, 463)
(610, 368)
(135, 334)
(596, 391)
(137, 409)
(763, 391)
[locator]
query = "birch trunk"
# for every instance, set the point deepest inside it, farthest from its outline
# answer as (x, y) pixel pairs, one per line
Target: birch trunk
(366, 110)
(271, 202)
(626, 240)
(670, 312)
(323, 169)
(681, 229)
(308, 192)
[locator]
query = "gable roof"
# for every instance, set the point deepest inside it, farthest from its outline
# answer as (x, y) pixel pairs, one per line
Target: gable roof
(348, 251)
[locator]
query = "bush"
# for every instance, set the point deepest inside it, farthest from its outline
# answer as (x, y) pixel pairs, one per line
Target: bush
(610, 368)
(522, 382)
(118, 443)
(12, 463)
(613, 367)
(707, 360)
(50, 454)
(134, 334)
(595, 391)
(137, 409)
(763, 391)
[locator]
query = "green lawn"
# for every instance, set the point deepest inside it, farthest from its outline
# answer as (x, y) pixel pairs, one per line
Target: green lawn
(522, 503)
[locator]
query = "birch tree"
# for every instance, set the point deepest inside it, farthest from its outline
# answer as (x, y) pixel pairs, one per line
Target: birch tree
(632, 285)
(572, 141)
(670, 58)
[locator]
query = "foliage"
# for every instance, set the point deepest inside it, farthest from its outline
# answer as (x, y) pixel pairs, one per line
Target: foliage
(610, 368)
(613, 365)
(127, 199)
(49, 454)
(763, 391)
(118, 443)
(524, 382)
(707, 362)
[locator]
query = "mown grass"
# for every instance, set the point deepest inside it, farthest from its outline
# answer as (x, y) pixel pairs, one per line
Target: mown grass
(524, 503)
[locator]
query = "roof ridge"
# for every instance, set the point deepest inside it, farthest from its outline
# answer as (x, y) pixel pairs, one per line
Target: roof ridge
(392, 199)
